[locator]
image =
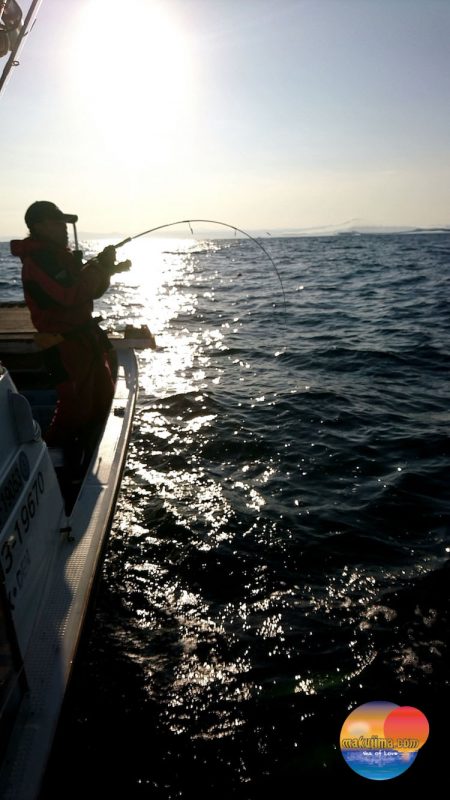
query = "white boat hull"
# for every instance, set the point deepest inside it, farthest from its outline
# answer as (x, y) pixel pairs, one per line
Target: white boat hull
(61, 570)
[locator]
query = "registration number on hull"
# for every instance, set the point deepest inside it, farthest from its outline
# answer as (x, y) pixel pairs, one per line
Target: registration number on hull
(14, 552)
(12, 485)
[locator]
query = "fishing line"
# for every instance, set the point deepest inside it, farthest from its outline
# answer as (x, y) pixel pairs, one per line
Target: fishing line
(212, 222)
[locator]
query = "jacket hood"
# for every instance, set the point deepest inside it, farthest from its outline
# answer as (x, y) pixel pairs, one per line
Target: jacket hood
(27, 247)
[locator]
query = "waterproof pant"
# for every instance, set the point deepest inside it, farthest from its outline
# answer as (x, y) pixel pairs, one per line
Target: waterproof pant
(84, 397)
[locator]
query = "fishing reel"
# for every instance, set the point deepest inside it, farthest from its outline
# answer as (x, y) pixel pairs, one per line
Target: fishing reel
(104, 256)
(122, 266)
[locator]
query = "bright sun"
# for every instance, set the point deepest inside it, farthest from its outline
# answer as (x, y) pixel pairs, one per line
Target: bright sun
(132, 70)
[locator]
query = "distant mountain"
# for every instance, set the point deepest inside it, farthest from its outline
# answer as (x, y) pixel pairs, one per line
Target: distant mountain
(352, 227)
(88, 235)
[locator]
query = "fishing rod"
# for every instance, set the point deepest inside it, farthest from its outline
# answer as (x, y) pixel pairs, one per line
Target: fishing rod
(210, 222)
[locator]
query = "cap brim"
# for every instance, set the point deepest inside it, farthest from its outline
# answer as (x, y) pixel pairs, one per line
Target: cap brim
(70, 218)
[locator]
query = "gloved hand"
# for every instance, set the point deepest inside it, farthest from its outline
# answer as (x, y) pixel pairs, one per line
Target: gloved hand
(107, 258)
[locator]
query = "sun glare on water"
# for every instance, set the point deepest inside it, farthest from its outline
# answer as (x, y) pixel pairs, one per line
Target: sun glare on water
(131, 69)
(162, 291)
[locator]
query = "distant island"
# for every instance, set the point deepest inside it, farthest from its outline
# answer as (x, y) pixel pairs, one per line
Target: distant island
(354, 228)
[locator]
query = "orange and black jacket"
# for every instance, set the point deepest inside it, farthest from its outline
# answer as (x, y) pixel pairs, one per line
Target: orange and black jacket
(58, 289)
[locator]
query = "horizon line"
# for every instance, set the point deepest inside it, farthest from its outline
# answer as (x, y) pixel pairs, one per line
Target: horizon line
(324, 230)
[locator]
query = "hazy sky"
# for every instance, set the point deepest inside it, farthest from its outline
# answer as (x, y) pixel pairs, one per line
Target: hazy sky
(263, 113)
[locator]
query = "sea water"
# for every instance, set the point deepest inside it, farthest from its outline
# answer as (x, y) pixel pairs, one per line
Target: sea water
(279, 552)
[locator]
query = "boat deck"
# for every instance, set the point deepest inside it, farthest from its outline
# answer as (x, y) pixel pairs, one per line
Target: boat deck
(15, 321)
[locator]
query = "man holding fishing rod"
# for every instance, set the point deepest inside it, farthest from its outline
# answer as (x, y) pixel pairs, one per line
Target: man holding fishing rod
(59, 292)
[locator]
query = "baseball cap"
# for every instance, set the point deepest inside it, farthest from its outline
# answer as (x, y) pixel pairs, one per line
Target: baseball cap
(43, 209)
